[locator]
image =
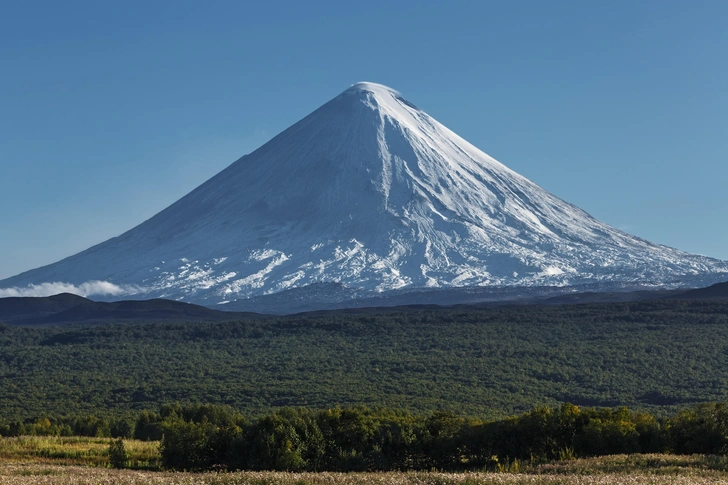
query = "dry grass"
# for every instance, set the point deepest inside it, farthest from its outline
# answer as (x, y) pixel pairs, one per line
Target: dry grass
(36, 474)
(84, 461)
(648, 464)
(75, 450)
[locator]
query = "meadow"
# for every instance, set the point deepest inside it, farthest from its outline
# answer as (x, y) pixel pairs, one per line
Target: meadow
(67, 451)
(613, 470)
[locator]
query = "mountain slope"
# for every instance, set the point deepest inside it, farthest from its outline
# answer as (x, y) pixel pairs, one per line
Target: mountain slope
(370, 192)
(718, 291)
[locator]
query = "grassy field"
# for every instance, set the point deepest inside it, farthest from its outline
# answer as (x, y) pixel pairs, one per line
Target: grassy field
(646, 464)
(35, 474)
(75, 450)
(84, 461)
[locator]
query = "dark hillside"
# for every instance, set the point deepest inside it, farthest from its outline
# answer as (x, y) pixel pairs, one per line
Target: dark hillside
(71, 309)
(718, 291)
(21, 308)
(652, 355)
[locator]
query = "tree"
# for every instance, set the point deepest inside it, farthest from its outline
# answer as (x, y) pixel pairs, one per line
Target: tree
(117, 454)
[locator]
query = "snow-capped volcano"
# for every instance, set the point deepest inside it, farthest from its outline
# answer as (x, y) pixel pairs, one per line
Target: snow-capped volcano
(371, 192)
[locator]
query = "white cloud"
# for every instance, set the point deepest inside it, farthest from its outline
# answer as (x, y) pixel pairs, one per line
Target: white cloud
(88, 288)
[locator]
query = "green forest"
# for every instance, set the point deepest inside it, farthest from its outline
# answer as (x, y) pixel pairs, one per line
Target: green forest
(657, 357)
(214, 437)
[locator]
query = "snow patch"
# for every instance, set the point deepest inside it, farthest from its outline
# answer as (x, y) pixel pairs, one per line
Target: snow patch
(552, 271)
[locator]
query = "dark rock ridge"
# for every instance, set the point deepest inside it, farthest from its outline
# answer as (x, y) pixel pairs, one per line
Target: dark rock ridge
(71, 309)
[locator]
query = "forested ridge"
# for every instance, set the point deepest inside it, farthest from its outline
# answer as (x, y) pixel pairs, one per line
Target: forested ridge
(656, 356)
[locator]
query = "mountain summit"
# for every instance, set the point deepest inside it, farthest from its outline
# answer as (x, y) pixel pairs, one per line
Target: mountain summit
(370, 192)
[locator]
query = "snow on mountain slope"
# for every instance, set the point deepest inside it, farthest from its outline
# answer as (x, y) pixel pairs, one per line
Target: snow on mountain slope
(371, 192)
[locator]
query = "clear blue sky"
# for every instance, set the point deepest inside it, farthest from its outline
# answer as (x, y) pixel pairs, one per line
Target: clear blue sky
(110, 111)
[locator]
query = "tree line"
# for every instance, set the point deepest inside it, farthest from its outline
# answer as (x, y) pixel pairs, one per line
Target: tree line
(200, 437)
